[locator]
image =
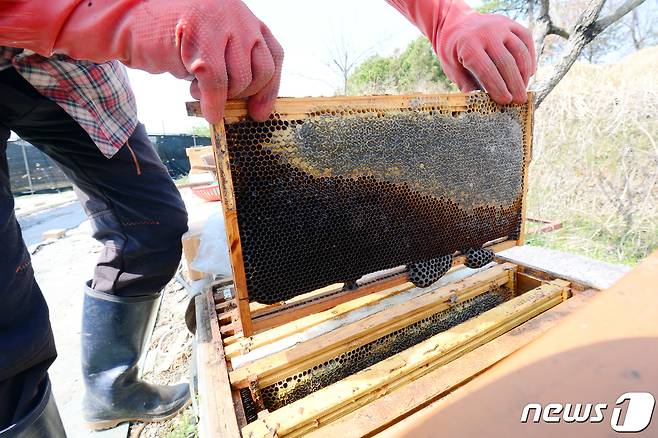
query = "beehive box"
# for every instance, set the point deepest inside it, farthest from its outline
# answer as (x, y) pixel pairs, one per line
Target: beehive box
(343, 214)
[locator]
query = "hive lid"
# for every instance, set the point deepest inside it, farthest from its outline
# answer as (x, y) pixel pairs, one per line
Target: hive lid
(330, 189)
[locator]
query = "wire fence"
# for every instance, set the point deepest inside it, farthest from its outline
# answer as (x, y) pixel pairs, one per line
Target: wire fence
(32, 171)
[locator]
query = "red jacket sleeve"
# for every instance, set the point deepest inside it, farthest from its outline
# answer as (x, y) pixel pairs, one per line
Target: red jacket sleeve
(34, 24)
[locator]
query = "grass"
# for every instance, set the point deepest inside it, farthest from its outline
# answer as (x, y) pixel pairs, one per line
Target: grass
(572, 237)
(185, 426)
(595, 162)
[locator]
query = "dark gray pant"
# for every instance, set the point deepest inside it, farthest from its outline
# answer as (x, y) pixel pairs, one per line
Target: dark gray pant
(135, 211)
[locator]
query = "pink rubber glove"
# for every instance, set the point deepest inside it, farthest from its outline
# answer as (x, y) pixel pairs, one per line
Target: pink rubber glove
(477, 51)
(218, 44)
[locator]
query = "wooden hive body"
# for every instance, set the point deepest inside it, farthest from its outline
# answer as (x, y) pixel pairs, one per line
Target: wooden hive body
(322, 195)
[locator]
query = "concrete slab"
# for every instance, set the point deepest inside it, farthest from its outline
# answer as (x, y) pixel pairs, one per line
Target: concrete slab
(64, 216)
(590, 272)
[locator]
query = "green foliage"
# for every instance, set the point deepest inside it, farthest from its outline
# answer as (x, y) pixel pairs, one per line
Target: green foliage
(201, 130)
(574, 238)
(182, 180)
(185, 426)
(415, 69)
(512, 8)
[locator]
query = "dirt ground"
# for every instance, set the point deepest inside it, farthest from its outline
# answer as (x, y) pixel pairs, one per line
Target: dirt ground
(61, 267)
(168, 361)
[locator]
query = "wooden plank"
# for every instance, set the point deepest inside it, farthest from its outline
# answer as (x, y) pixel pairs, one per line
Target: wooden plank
(302, 106)
(542, 226)
(258, 309)
(293, 310)
(527, 134)
(246, 342)
(230, 340)
(287, 314)
(306, 354)
(195, 155)
(582, 270)
(231, 224)
(360, 388)
(396, 405)
(215, 400)
(244, 345)
(191, 243)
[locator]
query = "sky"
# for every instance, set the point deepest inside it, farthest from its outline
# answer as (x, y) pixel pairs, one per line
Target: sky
(308, 30)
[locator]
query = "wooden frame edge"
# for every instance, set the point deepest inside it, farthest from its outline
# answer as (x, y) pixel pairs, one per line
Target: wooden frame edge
(231, 223)
(316, 350)
(529, 130)
(361, 388)
(216, 405)
(236, 109)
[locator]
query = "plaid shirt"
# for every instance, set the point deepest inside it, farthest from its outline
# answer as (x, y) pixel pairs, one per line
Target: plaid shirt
(97, 96)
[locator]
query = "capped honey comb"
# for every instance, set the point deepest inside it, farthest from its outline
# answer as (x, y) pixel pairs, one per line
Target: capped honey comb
(339, 189)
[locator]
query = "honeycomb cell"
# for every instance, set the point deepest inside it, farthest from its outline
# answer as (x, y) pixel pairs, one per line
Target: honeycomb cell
(297, 386)
(342, 192)
(478, 257)
(425, 273)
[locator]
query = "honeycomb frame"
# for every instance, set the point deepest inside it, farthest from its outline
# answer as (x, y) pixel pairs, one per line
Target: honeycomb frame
(291, 109)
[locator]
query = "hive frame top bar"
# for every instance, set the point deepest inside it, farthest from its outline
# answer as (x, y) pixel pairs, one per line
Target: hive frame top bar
(302, 108)
(294, 107)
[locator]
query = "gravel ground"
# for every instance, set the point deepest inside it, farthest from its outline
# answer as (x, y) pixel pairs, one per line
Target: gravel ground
(168, 361)
(61, 267)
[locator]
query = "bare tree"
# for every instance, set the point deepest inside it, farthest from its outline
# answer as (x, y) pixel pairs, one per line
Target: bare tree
(344, 59)
(642, 29)
(587, 27)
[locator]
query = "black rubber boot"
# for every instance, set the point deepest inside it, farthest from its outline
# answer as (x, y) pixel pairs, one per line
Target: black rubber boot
(42, 422)
(114, 335)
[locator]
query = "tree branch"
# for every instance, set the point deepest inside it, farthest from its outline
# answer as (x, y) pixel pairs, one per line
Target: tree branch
(542, 27)
(605, 22)
(586, 29)
(559, 31)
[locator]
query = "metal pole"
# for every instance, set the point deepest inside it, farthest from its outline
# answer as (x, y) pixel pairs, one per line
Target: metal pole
(27, 168)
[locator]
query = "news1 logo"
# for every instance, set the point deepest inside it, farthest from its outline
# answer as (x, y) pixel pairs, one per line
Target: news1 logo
(637, 416)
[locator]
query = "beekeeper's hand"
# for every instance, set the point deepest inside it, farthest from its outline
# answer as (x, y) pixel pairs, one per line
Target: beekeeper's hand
(477, 51)
(217, 44)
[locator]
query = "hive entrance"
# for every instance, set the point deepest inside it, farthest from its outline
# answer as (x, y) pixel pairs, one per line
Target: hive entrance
(339, 189)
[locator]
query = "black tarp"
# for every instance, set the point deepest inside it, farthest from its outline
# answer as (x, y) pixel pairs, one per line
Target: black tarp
(40, 171)
(44, 174)
(171, 149)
